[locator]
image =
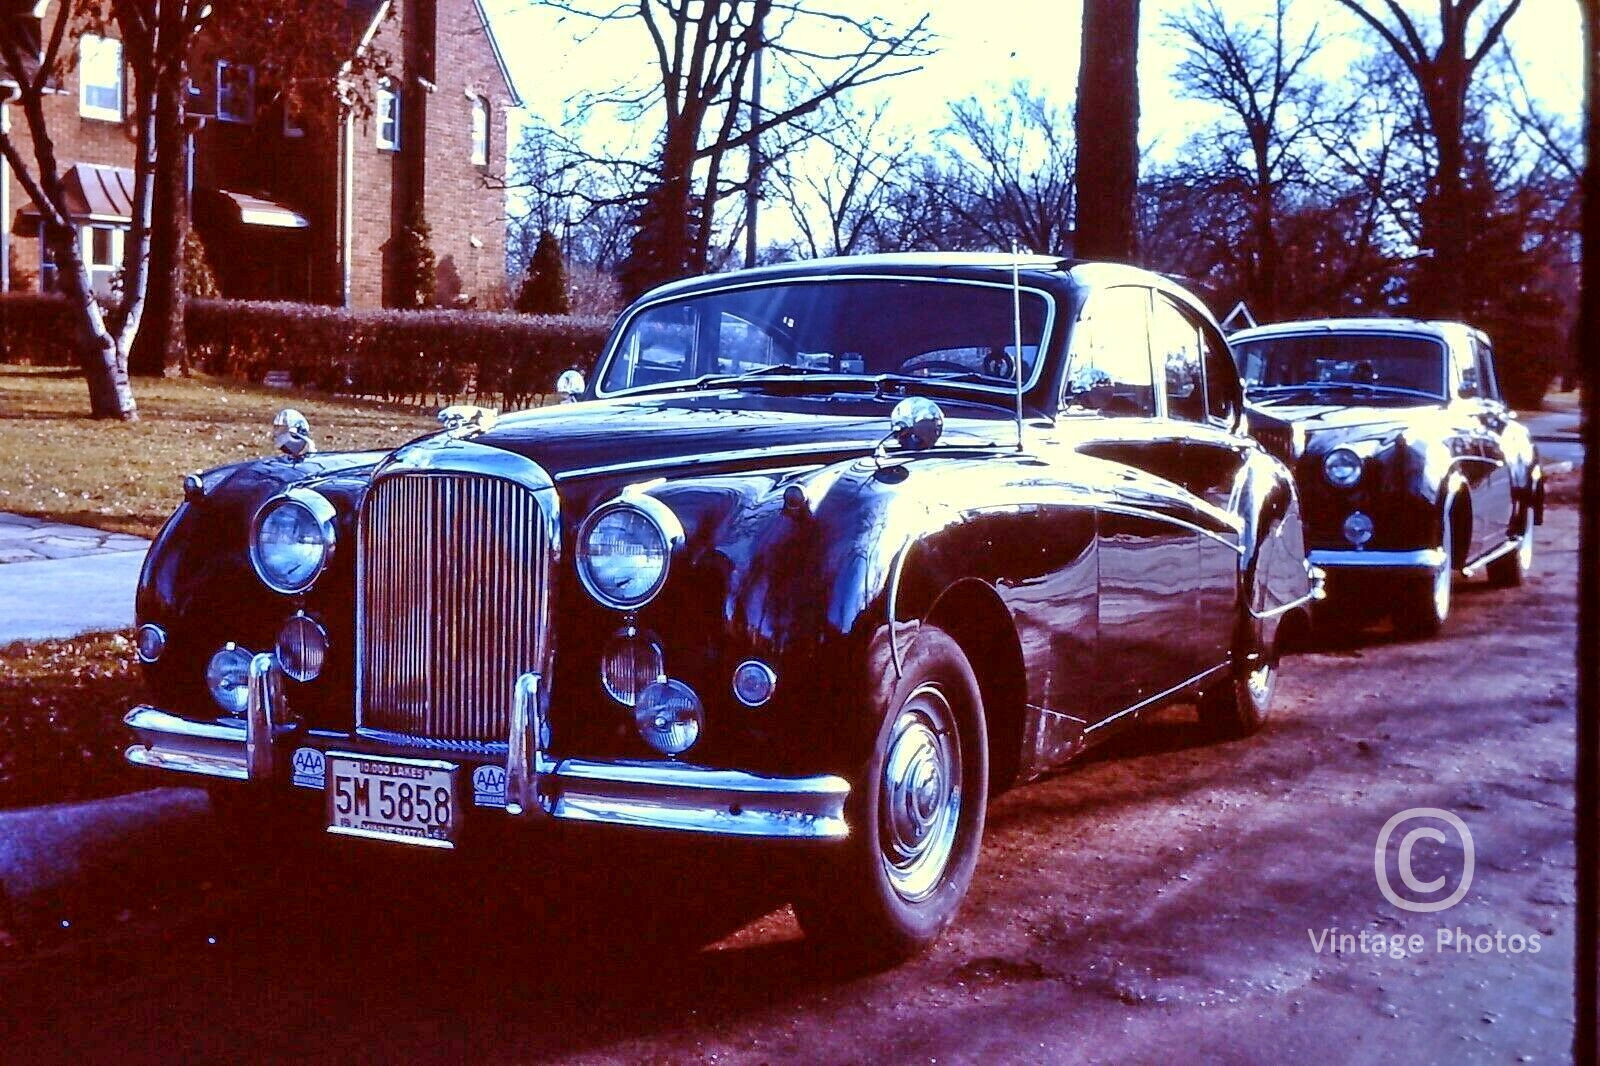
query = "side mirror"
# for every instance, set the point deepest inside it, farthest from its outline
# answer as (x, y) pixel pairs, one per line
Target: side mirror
(570, 385)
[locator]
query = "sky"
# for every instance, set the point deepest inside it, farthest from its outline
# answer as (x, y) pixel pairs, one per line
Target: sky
(985, 45)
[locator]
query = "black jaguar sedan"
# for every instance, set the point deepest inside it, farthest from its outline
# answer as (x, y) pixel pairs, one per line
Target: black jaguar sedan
(825, 552)
(1411, 468)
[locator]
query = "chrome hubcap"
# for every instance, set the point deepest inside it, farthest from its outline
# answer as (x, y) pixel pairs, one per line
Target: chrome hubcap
(1259, 681)
(920, 800)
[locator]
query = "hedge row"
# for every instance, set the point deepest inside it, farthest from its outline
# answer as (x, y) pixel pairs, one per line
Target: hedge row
(396, 355)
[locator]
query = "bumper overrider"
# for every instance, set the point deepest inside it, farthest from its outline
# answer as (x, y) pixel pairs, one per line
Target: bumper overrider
(652, 795)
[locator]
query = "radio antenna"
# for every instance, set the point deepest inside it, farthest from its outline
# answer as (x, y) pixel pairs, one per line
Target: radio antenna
(1016, 326)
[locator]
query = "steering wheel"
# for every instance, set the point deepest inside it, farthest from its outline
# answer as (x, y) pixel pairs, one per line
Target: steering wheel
(998, 364)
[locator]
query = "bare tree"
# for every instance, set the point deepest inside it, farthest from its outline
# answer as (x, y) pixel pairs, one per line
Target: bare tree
(1443, 71)
(1258, 76)
(35, 51)
(703, 53)
(836, 190)
(1108, 130)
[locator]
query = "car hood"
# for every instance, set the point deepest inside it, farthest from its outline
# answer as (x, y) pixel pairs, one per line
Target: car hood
(1316, 417)
(659, 433)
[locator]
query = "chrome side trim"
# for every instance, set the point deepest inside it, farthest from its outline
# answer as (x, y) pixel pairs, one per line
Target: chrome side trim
(1420, 559)
(1473, 568)
(1145, 704)
(1158, 516)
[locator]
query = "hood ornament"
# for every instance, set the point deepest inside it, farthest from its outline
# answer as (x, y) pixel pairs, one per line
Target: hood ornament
(916, 423)
(465, 419)
(292, 434)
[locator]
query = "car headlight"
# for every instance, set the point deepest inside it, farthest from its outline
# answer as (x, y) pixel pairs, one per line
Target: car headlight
(291, 540)
(1342, 467)
(624, 550)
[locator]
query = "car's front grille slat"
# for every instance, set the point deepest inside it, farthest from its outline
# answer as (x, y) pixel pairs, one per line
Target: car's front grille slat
(452, 572)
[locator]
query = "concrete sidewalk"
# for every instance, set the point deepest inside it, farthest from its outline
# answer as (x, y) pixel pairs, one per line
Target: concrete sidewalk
(58, 580)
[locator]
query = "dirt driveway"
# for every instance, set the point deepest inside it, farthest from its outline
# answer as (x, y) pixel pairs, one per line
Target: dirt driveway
(1173, 899)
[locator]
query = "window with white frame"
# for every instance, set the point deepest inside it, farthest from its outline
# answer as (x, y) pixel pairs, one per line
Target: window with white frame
(386, 109)
(100, 78)
(101, 248)
(480, 131)
(236, 91)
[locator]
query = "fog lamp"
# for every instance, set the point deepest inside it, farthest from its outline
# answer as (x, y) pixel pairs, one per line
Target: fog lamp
(630, 664)
(228, 677)
(1357, 528)
(150, 641)
(754, 682)
(669, 716)
(302, 647)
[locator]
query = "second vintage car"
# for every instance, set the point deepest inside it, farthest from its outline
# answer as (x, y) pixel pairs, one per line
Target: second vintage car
(826, 552)
(1411, 468)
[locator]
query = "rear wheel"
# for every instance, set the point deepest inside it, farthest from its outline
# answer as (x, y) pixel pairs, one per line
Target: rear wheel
(1511, 569)
(1238, 706)
(916, 815)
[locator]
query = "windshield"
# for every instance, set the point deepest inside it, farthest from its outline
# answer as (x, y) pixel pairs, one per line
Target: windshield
(860, 326)
(1333, 360)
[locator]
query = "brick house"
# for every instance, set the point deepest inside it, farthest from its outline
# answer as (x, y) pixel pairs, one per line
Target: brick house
(292, 209)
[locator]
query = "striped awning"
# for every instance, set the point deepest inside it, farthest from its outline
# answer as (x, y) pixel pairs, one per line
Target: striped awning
(95, 193)
(259, 211)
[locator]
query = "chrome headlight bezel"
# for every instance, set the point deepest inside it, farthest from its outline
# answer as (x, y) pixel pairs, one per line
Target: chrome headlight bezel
(322, 513)
(667, 530)
(1347, 463)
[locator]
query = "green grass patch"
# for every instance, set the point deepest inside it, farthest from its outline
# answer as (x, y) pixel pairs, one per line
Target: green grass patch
(61, 709)
(61, 464)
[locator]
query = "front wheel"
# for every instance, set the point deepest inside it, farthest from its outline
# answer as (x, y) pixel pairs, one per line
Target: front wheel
(1424, 599)
(1512, 568)
(916, 814)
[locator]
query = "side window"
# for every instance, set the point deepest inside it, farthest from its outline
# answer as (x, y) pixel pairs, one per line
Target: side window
(1109, 370)
(1483, 355)
(1175, 340)
(1223, 398)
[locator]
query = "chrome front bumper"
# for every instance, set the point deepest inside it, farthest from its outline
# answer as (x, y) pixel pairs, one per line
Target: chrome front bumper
(650, 795)
(1420, 559)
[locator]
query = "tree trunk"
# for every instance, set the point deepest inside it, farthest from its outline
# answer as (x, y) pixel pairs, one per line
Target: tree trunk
(104, 365)
(1108, 131)
(159, 347)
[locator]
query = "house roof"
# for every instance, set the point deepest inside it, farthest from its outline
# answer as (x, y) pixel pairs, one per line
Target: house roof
(499, 56)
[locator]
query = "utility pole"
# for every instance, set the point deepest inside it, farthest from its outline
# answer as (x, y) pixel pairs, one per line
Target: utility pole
(752, 191)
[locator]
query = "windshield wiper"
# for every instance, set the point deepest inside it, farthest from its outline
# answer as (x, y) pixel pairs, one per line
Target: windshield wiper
(776, 369)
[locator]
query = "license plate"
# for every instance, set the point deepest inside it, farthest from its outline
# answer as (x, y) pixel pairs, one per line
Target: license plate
(413, 801)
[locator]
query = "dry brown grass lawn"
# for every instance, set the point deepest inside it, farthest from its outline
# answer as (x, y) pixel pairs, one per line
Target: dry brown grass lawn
(56, 462)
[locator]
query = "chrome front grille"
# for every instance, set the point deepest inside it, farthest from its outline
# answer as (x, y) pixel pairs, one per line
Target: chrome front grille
(452, 575)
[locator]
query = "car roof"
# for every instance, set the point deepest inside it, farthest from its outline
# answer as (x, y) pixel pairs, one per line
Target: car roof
(1438, 329)
(977, 266)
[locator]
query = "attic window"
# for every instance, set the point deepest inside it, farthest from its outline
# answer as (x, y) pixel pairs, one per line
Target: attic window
(386, 109)
(236, 92)
(480, 131)
(100, 78)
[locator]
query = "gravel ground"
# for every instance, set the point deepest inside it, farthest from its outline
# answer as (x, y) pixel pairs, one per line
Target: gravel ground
(1162, 900)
